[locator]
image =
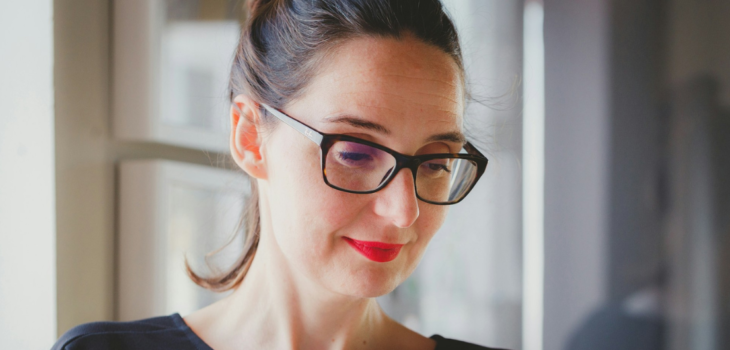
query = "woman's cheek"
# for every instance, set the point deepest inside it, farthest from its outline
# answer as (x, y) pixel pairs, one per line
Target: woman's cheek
(439, 215)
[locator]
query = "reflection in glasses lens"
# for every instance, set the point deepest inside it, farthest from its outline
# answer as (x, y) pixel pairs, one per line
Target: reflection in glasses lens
(445, 180)
(358, 167)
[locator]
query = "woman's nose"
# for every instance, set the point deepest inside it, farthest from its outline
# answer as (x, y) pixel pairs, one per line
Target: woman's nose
(398, 201)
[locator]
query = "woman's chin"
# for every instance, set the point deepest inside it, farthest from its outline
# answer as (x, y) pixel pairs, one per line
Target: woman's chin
(370, 283)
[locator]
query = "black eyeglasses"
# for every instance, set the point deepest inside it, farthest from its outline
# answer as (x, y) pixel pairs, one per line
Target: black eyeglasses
(355, 165)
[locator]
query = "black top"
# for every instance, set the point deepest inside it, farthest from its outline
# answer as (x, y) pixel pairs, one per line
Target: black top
(167, 332)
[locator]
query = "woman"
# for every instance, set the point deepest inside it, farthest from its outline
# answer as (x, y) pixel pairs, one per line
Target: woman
(348, 190)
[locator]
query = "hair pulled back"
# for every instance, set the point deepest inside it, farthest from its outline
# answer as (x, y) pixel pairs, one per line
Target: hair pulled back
(281, 46)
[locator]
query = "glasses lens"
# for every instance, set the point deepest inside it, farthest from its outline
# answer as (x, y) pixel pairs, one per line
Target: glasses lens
(445, 180)
(357, 167)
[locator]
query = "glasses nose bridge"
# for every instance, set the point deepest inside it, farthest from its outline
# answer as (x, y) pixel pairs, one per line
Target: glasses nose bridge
(406, 162)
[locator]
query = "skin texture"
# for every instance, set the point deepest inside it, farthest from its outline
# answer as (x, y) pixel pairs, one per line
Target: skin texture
(307, 288)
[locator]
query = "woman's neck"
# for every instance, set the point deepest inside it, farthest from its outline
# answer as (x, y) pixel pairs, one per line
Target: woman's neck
(302, 315)
(275, 308)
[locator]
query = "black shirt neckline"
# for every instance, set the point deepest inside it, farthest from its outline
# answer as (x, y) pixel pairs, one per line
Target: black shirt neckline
(202, 345)
(194, 338)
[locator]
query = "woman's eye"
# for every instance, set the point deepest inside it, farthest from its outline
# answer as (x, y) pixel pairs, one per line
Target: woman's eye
(354, 157)
(439, 167)
(435, 168)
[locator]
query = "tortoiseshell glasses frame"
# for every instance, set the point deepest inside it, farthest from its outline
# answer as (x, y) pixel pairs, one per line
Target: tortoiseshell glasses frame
(470, 166)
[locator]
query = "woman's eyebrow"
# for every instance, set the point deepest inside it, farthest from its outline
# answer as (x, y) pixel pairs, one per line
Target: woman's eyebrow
(453, 136)
(358, 123)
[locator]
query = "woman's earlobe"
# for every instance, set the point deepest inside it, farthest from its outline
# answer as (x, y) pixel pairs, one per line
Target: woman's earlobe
(246, 141)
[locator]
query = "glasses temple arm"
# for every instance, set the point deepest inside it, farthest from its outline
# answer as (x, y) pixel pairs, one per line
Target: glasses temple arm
(471, 149)
(310, 133)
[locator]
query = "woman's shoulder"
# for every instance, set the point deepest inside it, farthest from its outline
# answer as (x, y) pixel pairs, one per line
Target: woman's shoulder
(164, 332)
(453, 344)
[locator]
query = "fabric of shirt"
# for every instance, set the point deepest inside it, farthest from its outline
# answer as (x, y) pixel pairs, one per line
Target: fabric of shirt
(167, 333)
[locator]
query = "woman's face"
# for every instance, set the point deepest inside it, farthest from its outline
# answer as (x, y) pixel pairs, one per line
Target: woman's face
(406, 87)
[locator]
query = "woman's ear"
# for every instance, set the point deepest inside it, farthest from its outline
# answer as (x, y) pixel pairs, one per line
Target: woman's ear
(246, 136)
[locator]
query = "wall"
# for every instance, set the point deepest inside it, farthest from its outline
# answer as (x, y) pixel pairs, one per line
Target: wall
(27, 215)
(638, 126)
(577, 115)
(84, 172)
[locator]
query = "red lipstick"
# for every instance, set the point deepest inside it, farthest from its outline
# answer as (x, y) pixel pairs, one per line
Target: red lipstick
(375, 251)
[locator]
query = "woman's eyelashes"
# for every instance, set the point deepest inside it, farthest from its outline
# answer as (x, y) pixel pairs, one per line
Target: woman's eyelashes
(435, 168)
(354, 158)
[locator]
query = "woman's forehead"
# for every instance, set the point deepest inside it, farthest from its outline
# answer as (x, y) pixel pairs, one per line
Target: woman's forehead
(403, 84)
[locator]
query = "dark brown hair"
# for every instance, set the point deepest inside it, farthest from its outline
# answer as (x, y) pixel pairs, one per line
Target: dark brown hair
(281, 46)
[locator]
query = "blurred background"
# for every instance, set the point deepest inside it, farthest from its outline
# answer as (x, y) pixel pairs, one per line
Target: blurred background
(601, 223)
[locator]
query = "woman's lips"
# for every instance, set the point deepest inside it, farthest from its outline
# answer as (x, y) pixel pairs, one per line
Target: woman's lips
(375, 251)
